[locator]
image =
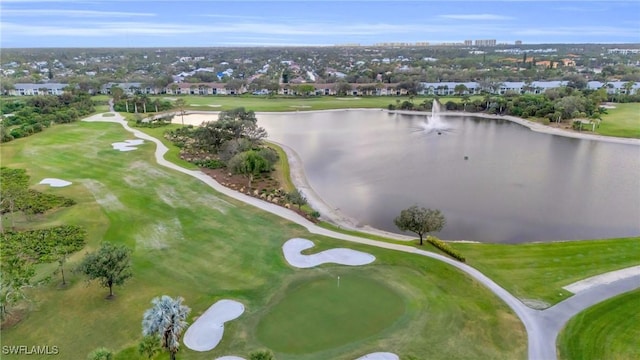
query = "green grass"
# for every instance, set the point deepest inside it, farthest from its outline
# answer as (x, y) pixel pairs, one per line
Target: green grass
(310, 315)
(283, 172)
(256, 103)
(538, 271)
(609, 330)
(173, 154)
(623, 121)
(190, 241)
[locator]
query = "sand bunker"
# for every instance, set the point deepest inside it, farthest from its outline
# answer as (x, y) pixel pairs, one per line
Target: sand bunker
(601, 279)
(54, 182)
(230, 358)
(292, 253)
(379, 356)
(215, 105)
(127, 145)
(349, 98)
(206, 332)
(170, 98)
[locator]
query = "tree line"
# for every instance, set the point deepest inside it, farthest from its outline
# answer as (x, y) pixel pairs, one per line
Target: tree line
(32, 115)
(554, 105)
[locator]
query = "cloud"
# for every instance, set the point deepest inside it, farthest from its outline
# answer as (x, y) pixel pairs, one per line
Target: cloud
(475, 17)
(72, 13)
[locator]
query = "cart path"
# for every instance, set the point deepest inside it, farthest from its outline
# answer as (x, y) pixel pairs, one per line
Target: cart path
(542, 326)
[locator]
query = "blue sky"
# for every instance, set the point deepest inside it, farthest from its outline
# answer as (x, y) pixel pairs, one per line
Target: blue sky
(158, 23)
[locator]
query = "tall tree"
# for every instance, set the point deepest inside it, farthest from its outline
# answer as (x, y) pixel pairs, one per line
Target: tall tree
(460, 89)
(167, 319)
(420, 221)
(111, 265)
(180, 104)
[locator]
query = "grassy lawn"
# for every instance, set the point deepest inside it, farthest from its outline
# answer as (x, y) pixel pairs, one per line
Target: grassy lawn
(623, 121)
(538, 271)
(318, 323)
(258, 103)
(609, 330)
(190, 241)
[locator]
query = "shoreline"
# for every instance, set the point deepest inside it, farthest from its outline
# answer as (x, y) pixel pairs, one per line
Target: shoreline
(533, 126)
(334, 216)
(327, 212)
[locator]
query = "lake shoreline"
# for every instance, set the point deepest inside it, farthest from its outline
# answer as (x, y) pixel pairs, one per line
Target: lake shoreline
(534, 126)
(336, 217)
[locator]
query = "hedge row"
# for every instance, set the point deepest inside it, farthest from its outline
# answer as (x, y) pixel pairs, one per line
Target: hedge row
(444, 247)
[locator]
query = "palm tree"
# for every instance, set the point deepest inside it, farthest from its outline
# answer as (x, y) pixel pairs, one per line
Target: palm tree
(166, 319)
(628, 87)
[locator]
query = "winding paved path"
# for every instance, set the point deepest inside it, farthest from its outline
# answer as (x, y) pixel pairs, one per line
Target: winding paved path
(542, 326)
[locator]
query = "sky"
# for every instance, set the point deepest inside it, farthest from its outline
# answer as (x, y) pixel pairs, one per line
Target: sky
(210, 23)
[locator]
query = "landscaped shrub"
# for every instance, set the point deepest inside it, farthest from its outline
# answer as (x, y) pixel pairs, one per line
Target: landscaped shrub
(444, 247)
(210, 164)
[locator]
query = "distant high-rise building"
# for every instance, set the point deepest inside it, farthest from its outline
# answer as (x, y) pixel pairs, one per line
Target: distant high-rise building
(468, 43)
(491, 42)
(518, 42)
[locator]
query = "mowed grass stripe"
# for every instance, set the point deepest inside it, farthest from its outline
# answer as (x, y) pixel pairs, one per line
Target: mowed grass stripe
(609, 330)
(538, 271)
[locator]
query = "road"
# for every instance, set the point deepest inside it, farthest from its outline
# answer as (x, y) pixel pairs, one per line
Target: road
(542, 326)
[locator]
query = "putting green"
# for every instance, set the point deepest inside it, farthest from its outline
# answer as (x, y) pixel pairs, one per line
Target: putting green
(319, 315)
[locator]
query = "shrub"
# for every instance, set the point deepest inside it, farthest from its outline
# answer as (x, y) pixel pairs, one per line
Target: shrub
(444, 247)
(210, 164)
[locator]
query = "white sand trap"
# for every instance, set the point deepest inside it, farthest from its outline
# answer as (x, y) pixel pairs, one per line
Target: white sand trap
(55, 182)
(349, 98)
(206, 332)
(170, 98)
(379, 356)
(292, 252)
(127, 145)
(195, 105)
(601, 279)
(215, 105)
(230, 358)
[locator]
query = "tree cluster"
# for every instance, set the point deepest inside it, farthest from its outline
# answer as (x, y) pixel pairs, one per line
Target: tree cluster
(34, 114)
(233, 141)
(22, 250)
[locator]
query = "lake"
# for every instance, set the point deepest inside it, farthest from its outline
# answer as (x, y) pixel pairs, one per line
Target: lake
(514, 185)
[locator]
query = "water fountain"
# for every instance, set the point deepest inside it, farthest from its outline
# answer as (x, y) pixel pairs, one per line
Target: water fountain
(434, 122)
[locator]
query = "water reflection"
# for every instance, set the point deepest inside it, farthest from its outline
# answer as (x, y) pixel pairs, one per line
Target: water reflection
(514, 186)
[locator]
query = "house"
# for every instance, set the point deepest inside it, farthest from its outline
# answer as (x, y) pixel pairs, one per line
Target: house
(615, 87)
(210, 88)
(22, 89)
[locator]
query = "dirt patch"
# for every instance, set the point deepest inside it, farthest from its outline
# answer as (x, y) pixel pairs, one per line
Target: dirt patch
(265, 187)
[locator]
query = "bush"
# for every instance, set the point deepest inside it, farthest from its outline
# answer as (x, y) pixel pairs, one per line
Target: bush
(444, 247)
(209, 164)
